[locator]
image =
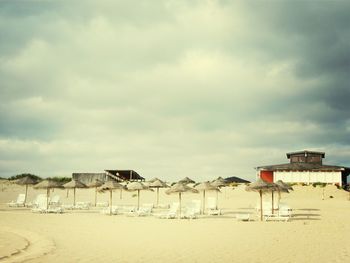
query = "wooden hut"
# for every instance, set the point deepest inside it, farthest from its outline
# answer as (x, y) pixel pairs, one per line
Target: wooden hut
(304, 167)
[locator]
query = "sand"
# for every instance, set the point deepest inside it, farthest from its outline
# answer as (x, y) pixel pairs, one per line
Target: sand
(318, 231)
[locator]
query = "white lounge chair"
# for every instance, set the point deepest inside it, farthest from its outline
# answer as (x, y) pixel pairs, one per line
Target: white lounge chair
(281, 215)
(35, 202)
(192, 209)
(144, 210)
(82, 205)
(212, 206)
(41, 206)
(115, 210)
(171, 213)
(55, 200)
(19, 202)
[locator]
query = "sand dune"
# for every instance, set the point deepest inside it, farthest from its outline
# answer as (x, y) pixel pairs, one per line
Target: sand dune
(317, 232)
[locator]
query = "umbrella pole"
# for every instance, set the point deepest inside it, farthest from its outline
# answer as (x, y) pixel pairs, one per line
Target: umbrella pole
(272, 202)
(25, 198)
(217, 197)
(203, 202)
(261, 206)
(110, 202)
(67, 193)
(74, 197)
(157, 196)
(121, 194)
(180, 204)
(47, 198)
(138, 199)
(95, 196)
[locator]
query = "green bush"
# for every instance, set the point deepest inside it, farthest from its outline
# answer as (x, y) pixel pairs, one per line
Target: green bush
(319, 184)
(61, 180)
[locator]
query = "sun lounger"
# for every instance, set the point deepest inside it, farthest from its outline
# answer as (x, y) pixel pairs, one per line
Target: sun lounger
(42, 206)
(107, 210)
(144, 210)
(55, 200)
(171, 213)
(212, 206)
(280, 215)
(35, 202)
(102, 204)
(19, 202)
(192, 209)
(82, 205)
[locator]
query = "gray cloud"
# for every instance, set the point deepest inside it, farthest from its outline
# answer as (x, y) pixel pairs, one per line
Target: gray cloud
(171, 89)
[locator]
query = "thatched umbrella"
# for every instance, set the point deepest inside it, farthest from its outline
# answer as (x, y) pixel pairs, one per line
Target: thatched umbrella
(273, 188)
(47, 184)
(205, 186)
(153, 180)
(74, 184)
(137, 186)
(27, 180)
(180, 188)
(186, 180)
(284, 188)
(157, 184)
(95, 184)
(110, 186)
(218, 182)
(259, 186)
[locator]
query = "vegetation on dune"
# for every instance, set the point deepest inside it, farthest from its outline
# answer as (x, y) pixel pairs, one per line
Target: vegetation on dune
(61, 180)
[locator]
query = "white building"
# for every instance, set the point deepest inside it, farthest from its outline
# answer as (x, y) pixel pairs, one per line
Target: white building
(304, 167)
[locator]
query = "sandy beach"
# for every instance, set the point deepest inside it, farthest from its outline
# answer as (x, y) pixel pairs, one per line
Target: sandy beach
(317, 232)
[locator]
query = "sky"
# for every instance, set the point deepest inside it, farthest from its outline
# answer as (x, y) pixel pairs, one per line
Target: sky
(172, 88)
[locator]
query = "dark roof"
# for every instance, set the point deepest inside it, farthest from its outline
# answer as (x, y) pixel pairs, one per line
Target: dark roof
(234, 179)
(124, 175)
(305, 152)
(303, 167)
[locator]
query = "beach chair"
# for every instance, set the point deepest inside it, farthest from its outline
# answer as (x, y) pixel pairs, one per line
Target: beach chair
(276, 216)
(82, 205)
(107, 211)
(41, 206)
(144, 210)
(192, 209)
(102, 204)
(55, 200)
(212, 206)
(19, 202)
(35, 202)
(171, 213)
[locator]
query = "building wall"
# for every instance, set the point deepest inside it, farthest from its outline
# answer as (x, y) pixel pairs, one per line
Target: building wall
(334, 177)
(87, 178)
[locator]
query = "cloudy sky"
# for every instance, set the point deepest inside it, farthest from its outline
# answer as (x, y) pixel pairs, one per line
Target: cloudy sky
(172, 88)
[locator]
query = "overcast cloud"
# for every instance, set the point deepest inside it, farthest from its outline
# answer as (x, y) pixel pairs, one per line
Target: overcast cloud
(172, 88)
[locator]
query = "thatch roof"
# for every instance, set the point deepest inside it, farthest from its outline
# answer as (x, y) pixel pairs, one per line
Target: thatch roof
(206, 186)
(47, 184)
(157, 184)
(26, 181)
(111, 185)
(187, 180)
(180, 188)
(134, 186)
(259, 185)
(74, 184)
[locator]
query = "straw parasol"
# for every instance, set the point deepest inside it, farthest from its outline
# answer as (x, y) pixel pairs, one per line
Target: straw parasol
(74, 184)
(95, 184)
(186, 180)
(110, 186)
(205, 186)
(47, 184)
(27, 180)
(180, 188)
(284, 188)
(137, 186)
(157, 184)
(259, 186)
(273, 188)
(218, 182)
